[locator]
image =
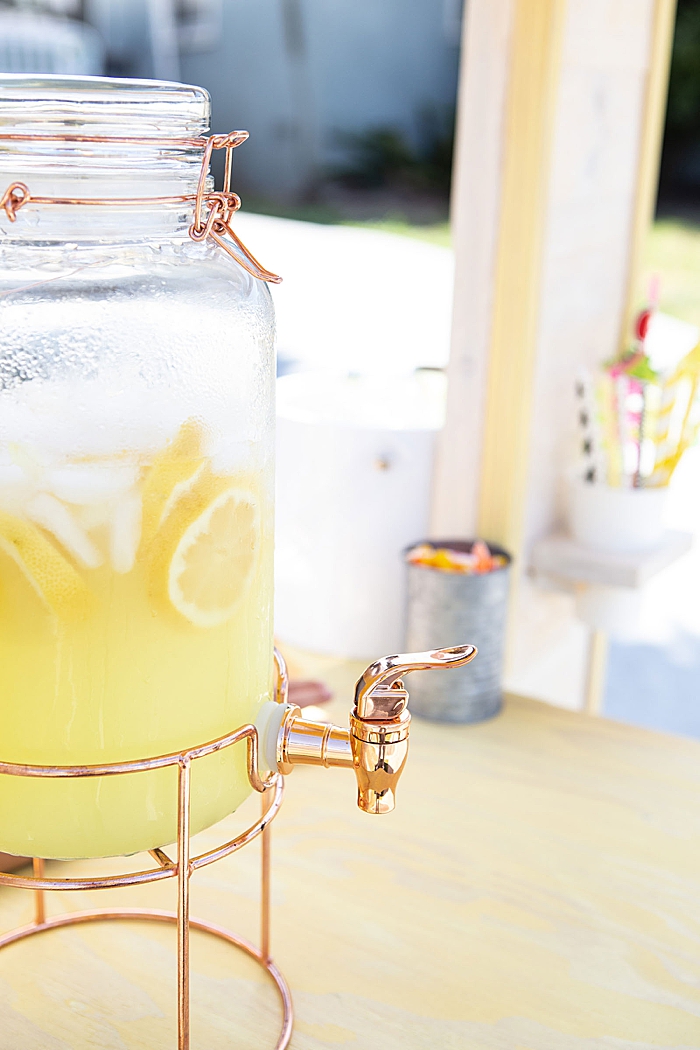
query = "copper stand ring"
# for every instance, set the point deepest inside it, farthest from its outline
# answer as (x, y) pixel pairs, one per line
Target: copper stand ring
(167, 868)
(148, 915)
(181, 869)
(246, 732)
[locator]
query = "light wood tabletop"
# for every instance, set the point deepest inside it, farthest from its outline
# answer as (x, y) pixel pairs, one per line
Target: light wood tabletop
(537, 888)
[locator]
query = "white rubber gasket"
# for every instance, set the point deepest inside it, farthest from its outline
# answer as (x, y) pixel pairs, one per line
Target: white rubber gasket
(268, 724)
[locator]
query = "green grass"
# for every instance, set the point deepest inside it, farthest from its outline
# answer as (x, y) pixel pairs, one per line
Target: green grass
(435, 233)
(673, 252)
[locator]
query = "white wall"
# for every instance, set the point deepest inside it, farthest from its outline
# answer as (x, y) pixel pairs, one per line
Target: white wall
(248, 77)
(379, 62)
(591, 198)
(295, 72)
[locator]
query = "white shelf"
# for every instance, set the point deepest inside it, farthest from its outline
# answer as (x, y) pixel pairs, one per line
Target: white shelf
(561, 557)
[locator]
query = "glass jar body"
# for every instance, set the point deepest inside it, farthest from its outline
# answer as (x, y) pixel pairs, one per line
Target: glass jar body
(136, 425)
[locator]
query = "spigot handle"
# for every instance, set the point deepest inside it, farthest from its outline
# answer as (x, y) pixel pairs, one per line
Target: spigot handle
(386, 672)
(380, 723)
(376, 746)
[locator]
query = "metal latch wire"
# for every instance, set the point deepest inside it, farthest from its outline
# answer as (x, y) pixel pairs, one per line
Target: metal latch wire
(213, 210)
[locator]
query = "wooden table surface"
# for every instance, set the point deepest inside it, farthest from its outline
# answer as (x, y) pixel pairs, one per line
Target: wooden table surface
(538, 888)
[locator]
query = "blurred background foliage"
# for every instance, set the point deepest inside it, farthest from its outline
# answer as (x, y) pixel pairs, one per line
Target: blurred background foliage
(680, 165)
(385, 156)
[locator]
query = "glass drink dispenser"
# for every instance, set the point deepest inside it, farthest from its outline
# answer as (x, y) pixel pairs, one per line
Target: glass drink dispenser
(136, 446)
(136, 533)
(136, 424)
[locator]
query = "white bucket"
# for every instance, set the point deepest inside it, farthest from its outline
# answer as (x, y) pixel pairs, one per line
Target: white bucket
(617, 520)
(354, 466)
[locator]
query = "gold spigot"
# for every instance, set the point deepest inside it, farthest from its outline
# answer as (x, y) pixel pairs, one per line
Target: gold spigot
(376, 745)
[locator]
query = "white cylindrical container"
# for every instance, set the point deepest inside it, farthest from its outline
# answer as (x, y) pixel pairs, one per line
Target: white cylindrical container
(618, 520)
(353, 491)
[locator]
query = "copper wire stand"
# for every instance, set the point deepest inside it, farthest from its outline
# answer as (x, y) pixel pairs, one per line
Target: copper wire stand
(213, 213)
(271, 791)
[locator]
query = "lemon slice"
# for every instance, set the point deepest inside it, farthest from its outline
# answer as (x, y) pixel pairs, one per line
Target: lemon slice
(170, 475)
(208, 549)
(57, 583)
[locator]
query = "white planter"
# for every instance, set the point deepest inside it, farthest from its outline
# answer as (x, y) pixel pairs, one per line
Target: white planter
(616, 520)
(354, 465)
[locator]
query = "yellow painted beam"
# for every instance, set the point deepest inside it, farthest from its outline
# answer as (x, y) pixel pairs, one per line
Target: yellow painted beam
(661, 44)
(535, 61)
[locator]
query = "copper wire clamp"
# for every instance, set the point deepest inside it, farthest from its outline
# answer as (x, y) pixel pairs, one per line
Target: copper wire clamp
(213, 210)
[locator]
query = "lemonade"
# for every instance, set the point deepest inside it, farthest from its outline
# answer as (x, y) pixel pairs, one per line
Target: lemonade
(137, 373)
(135, 595)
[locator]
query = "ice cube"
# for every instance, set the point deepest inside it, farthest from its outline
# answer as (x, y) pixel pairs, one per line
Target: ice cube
(45, 510)
(85, 483)
(16, 487)
(125, 532)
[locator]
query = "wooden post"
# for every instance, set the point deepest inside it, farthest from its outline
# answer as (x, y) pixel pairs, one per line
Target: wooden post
(506, 104)
(597, 668)
(534, 66)
(476, 205)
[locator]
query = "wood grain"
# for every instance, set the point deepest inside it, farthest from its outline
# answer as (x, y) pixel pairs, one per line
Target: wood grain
(538, 887)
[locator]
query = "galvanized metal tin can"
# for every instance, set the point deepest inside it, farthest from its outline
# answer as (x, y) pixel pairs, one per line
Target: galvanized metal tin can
(452, 608)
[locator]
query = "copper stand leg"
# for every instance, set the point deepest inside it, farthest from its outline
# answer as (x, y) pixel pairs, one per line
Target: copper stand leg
(180, 869)
(39, 903)
(183, 905)
(265, 895)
